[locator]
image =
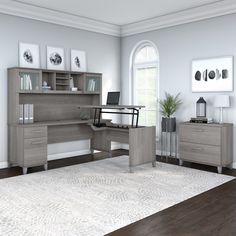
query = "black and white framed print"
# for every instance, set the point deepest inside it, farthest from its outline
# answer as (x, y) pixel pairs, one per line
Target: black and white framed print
(212, 75)
(78, 60)
(29, 55)
(55, 58)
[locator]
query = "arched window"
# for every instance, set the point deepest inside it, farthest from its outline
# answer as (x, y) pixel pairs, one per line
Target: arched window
(145, 71)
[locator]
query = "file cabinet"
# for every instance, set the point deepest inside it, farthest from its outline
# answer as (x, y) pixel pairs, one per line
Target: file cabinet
(31, 146)
(210, 144)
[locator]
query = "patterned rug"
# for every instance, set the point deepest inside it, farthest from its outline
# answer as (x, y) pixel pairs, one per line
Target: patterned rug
(95, 198)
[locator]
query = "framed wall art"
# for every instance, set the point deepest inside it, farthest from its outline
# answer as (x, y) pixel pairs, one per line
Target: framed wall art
(78, 60)
(55, 58)
(212, 75)
(29, 55)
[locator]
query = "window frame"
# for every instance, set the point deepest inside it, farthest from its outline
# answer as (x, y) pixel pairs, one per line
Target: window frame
(134, 66)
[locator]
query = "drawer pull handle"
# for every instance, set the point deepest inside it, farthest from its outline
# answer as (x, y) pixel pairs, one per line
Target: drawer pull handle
(197, 149)
(199, 130)
(37, 131)
(37, 142)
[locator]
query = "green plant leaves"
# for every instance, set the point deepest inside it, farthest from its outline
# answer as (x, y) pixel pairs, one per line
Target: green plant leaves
(170, 104)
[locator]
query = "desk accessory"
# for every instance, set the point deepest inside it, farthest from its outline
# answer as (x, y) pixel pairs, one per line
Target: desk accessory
(113, 98)
(201, 107)
(222, 101)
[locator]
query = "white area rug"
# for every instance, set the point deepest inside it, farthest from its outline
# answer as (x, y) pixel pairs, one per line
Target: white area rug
(95, 198)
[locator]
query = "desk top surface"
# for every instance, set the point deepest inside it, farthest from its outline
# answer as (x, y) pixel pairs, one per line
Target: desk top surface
(56, 123)
(112, 106)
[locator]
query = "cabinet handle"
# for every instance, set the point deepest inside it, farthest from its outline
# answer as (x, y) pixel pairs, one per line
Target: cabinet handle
(197, 149)
(36, 142)
(199, 130)
(37, 131)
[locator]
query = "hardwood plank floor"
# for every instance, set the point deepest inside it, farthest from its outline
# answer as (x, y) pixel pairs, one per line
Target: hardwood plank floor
(15, 171)
(211, 213)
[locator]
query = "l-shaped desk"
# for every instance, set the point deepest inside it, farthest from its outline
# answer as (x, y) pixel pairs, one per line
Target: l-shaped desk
(29, 146)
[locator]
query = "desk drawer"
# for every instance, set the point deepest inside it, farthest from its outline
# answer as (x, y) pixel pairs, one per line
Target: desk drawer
(36, 156)
(200, 134)
(200, 153)
(35, 132)
(35, 143)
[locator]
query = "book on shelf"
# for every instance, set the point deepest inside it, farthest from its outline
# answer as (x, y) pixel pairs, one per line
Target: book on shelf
(21, 114)
(25, 82)
(91, 85)
(26, 113)
(31, 113)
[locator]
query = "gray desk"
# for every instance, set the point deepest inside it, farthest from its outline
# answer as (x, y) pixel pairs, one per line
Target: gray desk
(28, 145)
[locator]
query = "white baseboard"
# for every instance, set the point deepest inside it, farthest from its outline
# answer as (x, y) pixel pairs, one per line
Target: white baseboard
(62, 155)
(57, 156)
(3, 164)
(125, 146)
(116, 146)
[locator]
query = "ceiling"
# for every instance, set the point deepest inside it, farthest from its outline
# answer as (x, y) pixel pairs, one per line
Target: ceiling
(118, 18)
(119, 12)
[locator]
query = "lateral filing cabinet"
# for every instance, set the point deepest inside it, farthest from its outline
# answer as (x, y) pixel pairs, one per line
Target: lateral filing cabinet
(210, 144)
(31, 146)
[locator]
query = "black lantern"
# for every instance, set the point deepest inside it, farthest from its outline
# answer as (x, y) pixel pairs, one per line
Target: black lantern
(201, 107)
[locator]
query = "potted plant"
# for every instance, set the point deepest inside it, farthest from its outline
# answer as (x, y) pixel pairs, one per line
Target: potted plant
(168, 107)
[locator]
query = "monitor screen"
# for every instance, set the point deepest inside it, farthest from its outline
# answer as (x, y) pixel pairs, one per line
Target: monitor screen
(113, 98)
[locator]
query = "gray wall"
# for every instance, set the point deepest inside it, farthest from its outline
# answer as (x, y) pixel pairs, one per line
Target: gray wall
(103, 55)
(177, 47)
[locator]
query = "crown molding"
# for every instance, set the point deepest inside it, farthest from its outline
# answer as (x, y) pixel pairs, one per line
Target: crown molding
(16, 8)
(60, 18)
(219, 8)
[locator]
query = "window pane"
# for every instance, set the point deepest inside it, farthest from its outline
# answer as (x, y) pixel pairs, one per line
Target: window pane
(147, 98)
(151, 54)
(147, 118)
(145, 80)
(151, 118)
(146, 54)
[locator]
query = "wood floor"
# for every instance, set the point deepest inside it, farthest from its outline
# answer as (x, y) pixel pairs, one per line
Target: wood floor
(211, 213)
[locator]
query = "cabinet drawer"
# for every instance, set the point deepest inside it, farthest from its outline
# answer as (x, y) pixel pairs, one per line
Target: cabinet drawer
(35, 132)
(35, 143)
(200, 153)
(36, 156)
(200, 134)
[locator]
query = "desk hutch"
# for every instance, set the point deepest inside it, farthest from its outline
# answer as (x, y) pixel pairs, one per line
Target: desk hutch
(56, 113)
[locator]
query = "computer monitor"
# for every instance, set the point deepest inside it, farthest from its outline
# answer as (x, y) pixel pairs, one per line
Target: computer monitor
(113, 98)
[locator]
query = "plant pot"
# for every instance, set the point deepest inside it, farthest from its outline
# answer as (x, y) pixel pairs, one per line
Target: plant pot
(168, 124)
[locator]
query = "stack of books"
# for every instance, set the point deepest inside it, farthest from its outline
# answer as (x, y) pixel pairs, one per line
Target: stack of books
(201, 120)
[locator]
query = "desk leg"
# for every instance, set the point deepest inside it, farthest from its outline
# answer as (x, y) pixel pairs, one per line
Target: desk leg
(95, 116)
(25, 169)
(154, 163)
(131, 170)
(110, 153)
(99, 116)
(137, 118)
(132, 124)
(46, 166)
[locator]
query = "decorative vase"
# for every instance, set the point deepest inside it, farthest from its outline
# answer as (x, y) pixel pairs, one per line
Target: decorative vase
(168, 124)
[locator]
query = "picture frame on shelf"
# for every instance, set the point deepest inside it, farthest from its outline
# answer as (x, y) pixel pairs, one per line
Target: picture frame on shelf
(212, 74)
(78, 60)
(55, 58)
(29, 55)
